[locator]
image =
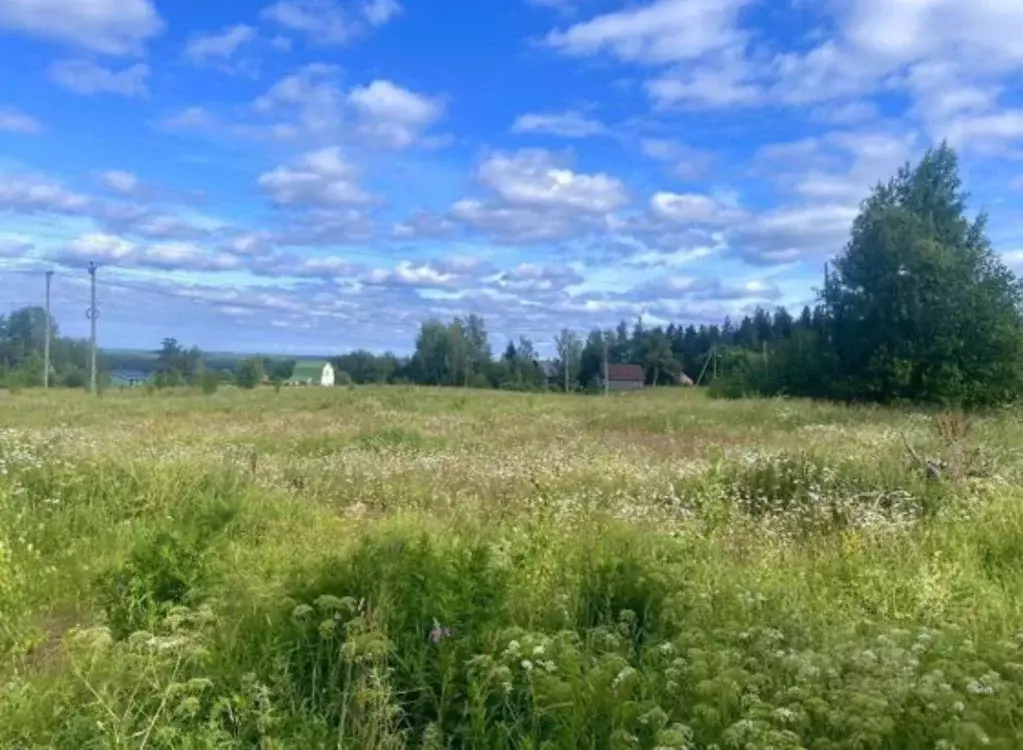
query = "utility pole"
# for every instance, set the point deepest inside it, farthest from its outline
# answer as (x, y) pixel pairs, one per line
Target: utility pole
(46, 339)
(565, 357)
(92, 313)
(606, 387)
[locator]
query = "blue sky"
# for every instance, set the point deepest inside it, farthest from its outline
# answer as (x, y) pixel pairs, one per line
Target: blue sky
(318, 175)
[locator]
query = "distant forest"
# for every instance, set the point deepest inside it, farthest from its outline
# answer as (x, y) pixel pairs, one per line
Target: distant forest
(918, 309)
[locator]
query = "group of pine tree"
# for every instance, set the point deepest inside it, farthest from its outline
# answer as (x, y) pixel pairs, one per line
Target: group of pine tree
(918, 308)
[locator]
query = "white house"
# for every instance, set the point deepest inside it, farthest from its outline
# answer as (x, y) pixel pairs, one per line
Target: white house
(312, 373)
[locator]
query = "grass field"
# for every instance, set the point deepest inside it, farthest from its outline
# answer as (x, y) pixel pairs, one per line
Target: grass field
(391, 568)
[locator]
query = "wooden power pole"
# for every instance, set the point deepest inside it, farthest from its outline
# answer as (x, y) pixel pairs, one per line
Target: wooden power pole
(46, 334)
(606, 386)
(92, 313)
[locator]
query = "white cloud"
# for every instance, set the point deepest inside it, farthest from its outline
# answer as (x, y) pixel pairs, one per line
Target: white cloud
(281, 43)
(405, 273)
(331, 21)
(107, 249)
(537, 197)
(535, 178)
(664, 31)
(188, 119)
(720, 83)
(203, 48)
(311, 99)
(86, 77)
(708, 288)
(379, 12)
(518, 224)
(392, 116)
(791, 234)
(535, 277)
(566, 124)
(423, 225)
(14, 248)
(841, 165)
(113, 27)
(323, 21)
(692, 208)
(319, 178)
(1004, 125)
(15, 121)
(685, 162)
(120, 181)
(27, 193)
(908, 30)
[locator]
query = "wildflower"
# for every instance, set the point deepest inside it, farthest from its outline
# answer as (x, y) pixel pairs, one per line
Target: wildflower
(439, 633)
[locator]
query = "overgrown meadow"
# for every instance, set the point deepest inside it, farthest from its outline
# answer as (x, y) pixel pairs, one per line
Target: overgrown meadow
(417, 568)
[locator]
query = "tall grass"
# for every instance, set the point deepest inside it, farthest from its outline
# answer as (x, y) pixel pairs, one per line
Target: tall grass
(407, 568)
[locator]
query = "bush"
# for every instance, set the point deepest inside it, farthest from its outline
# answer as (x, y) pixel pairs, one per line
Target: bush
(209, 382)
(248, 374)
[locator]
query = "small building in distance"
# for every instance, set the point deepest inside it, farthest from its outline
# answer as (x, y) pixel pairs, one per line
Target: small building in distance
(312, 372)
(622, 377)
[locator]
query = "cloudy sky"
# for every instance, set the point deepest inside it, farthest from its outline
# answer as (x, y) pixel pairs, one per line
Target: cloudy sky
(317, 175)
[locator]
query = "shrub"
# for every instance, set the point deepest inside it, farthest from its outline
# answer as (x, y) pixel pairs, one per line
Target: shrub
(209, 382)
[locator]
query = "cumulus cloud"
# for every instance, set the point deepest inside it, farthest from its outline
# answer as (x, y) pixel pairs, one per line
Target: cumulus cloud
(535, 196)
(190, 118)
(791, 234)
(685, 162)
(392, 116)
(568, 124)
(707, 288)
(424, 225)
(86, 77)
(954, 60)
(15, 121)
(318, 178)
(31, 193)
(166, 256)
(204, 48)
(113, 27)
(331, 21)
(535, 178)
(664, 31)
(120, 181)
(693, 208)
(379, 12)
(14, 248)
(535, 277)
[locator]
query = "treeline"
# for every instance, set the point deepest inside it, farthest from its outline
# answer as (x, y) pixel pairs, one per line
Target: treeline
(918, 308)
(176, 366)
(459, 353)
(22, 352)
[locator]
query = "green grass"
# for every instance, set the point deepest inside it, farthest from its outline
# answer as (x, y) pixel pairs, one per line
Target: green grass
(417, 568)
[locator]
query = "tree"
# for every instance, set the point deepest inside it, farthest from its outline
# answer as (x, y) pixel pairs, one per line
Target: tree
(279, 370)
(249, 373)
(919, 307)
(175, 365)
(569, 349)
